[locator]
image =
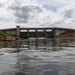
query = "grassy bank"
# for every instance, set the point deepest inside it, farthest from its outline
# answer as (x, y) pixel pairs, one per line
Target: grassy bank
(7, 37)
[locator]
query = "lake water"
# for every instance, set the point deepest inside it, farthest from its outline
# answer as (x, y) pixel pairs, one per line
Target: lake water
(38, 57)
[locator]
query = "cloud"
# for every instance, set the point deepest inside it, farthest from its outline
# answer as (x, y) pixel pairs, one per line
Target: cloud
(68, 13)
(56, 3)
(33, 14)
(65, 17)
(1, 4)
(38, 12)
(23, 13)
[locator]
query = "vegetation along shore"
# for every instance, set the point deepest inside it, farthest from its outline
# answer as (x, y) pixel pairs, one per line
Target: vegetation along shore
(7, 37)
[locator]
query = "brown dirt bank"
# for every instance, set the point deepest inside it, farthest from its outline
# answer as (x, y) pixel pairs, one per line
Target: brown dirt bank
(8, 38)
(67, 34)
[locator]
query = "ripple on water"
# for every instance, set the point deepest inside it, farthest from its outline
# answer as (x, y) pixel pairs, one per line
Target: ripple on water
(43, 57)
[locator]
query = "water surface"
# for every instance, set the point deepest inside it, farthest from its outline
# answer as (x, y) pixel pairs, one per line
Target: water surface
(38, 57)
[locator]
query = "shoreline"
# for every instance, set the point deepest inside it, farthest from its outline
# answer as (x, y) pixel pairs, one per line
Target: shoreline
(64, 35)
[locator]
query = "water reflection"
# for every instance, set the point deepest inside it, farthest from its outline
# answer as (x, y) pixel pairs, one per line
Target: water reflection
(37, 57)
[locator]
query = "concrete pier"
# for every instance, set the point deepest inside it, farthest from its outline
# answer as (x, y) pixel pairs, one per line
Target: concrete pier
(36, 34)
(27, 33)
(18, 31)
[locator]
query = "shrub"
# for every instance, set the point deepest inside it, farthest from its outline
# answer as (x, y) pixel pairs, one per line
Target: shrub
(2, 33)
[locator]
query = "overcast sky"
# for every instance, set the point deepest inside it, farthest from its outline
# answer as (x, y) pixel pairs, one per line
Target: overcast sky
(37, 12)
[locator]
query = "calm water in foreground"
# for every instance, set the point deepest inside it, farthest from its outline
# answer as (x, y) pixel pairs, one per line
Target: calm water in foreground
(38, 57)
